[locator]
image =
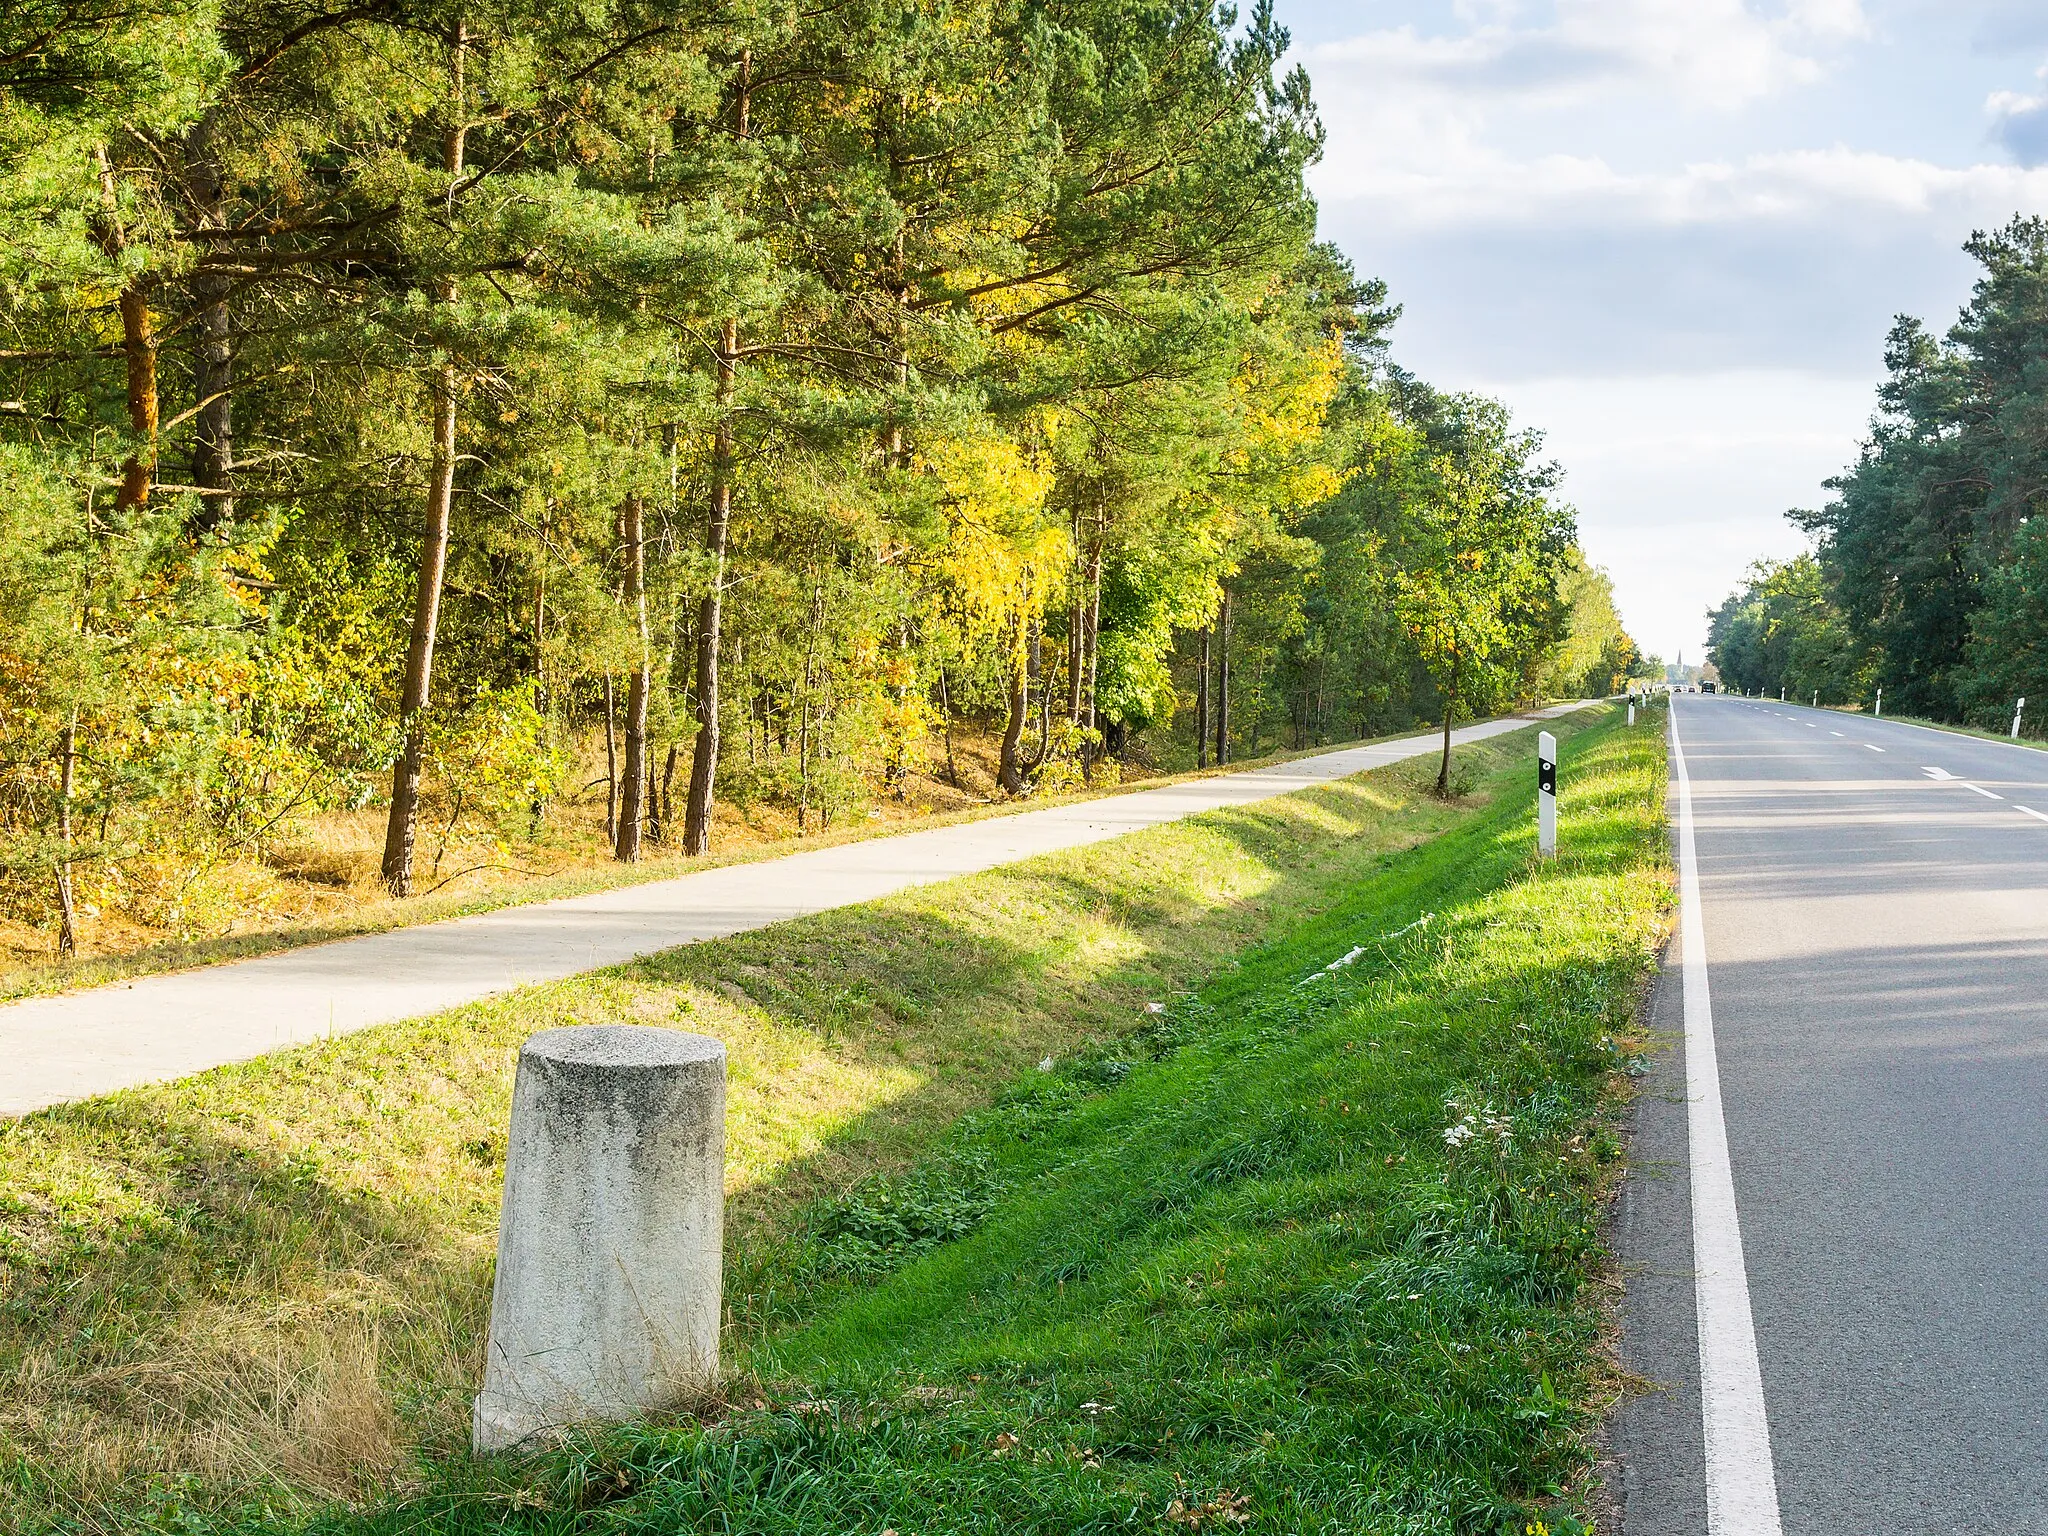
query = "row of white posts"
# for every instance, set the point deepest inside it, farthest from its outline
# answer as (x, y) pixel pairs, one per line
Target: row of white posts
(2019, 709)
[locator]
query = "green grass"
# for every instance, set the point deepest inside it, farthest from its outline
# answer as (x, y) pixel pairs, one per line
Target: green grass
(2033, 742)
(1228, 1271)
(265, 1286)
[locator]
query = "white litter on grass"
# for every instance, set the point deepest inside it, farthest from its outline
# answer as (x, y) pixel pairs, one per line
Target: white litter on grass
(1155, 1007)
(1343, 960)
(1045, 1065)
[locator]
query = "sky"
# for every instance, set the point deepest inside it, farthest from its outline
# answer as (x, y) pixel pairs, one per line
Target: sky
(1673, 233)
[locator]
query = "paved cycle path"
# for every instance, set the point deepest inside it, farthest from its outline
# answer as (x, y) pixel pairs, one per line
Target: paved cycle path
(80, 1044)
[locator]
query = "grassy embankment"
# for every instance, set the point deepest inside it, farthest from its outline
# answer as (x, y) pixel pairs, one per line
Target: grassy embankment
(1223, 1265)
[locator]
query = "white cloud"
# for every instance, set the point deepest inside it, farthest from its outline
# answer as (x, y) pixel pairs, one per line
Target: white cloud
(1716, 53)
(1435, 130)
(1673, 232)
(2020, 123)
(1682, 480)
(1478, 185)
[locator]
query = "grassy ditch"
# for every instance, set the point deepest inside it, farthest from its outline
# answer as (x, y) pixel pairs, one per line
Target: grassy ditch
(1313, 1250)
(263, 1288)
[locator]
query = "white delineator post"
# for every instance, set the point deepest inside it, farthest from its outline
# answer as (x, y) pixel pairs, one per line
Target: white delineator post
(609, 1288)
(1880, 704)
(2017, 710)
(1546, 794)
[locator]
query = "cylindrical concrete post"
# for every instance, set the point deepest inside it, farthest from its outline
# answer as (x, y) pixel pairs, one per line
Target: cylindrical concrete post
(610, 1240)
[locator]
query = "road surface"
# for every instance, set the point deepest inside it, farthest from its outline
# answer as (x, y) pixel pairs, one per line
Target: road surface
(85, 1043)
(1872, 915)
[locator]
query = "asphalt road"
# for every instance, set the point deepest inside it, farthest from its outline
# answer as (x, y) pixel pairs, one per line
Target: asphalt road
(1874, 899)
(80, 1044)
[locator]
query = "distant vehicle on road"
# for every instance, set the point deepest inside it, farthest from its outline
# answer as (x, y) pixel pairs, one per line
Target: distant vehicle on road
(1707, 687)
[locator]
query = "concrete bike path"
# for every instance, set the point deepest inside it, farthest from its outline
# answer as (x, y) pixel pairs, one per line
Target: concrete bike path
(80, 1044)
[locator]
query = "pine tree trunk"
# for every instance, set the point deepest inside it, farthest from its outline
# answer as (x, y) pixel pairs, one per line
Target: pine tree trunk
(1223, 680)
(697, 810)
(803, 724)
(1202, 706)
(138, 343)
(611, 761)
(138, 350)
(1009, 772)
(711, 611)
(402, 828)
(67, 766)
(1074, 624)
(634, 775)
(1044, 693)
(1091, 749)
(946, 719)
(213, 360)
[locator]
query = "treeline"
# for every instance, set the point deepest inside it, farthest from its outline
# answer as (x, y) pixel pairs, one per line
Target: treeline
(396, 394)
(1930, 573)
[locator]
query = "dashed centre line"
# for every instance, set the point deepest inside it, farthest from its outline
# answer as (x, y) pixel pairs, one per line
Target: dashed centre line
(1984, 792)
(2028, 810)
(1874, 749)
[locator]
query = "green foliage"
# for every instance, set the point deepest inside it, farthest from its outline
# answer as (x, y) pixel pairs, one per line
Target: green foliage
(1784, 630)
(1000, 329)
(1596, 657)
(1922, 549)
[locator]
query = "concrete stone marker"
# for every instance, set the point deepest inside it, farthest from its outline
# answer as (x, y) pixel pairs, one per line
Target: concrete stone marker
(609, 1286)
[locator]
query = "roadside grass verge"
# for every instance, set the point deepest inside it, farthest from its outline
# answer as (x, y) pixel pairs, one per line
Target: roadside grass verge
(1314, 1250)
(264, 1287)
(2032, 743)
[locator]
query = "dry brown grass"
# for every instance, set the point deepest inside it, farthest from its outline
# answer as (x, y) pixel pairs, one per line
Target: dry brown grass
(323, 869)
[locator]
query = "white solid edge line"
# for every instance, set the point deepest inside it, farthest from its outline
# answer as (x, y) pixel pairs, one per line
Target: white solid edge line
(1742, 1485)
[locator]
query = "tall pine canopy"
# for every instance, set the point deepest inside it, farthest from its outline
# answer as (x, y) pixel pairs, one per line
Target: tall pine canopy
(450, 439)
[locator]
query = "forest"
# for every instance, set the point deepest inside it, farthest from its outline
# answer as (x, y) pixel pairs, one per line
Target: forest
(446, 439)
(1929, 575)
